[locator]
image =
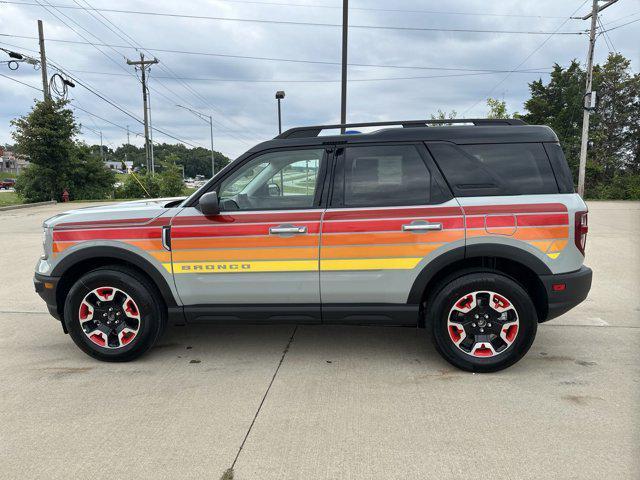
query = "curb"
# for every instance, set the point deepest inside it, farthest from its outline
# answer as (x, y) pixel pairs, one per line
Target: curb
(27, 205)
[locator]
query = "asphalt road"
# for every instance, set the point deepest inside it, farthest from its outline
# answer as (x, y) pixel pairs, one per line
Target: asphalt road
(344, 402)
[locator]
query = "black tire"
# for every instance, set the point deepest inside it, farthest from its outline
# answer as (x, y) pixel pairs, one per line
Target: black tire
(152, 312)
(442, 303)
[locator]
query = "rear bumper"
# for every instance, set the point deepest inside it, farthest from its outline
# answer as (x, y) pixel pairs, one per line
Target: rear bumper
(47, 287)
(576, 288)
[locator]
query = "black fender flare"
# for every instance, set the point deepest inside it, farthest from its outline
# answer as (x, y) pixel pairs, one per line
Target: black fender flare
(446, 259)
(120, 255)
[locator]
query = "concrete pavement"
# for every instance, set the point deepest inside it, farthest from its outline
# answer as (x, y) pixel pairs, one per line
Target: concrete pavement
(339, 403)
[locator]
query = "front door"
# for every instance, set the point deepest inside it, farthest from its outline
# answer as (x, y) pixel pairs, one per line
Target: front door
(263, 247)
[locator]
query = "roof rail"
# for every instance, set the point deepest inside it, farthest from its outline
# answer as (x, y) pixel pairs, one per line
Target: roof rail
(314, 131)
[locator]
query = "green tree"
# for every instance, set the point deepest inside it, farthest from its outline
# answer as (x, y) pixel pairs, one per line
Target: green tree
(498, 109)
(140, 186)
(614, 131)
(87, 177)
(170, 179)
(45, 136)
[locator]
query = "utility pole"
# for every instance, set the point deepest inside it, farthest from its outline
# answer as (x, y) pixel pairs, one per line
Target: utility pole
(128, 141)
(143, 66)
(153, 161)
(43, 63)
(209, 119)
(101, 147)
(587, 106)
(345, 29)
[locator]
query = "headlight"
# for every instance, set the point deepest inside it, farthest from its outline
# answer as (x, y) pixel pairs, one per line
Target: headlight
(46, 242)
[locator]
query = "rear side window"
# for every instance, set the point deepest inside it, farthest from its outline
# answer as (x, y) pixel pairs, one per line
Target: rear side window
(495, 169)
(384, 176)
(560, 167)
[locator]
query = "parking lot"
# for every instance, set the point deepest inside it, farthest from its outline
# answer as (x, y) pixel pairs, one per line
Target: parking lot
(315, 402)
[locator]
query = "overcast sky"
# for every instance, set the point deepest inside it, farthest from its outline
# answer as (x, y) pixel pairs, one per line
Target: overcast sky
(239, 92)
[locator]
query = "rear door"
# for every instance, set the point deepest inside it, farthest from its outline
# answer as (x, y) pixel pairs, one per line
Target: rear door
(263, 247)
(389, 216)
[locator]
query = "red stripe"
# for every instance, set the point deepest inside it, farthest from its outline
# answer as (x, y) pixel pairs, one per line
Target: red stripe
(104, 223)
(247, 218)
(542, 220)
(234, 230)
(493, 221)
(108, 234)
(392, 212)
(386, 225)
(524, 208)
(523, 220)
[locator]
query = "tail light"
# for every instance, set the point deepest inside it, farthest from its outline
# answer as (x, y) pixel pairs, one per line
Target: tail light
(582, 227)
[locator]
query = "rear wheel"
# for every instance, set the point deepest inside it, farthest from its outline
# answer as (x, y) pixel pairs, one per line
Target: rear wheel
(113, 314)
(483, 322)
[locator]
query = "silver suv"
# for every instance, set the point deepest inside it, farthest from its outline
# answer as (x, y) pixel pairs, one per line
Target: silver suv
(471, 230)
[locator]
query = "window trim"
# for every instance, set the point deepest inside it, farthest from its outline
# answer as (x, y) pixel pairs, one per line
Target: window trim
(318, 200)
(338, 175)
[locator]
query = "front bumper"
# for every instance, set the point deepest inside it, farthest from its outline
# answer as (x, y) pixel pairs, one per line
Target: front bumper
(576, 288)
(47, 287)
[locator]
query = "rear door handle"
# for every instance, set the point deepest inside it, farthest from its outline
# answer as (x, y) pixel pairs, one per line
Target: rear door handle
(290, 229)
(421, 227)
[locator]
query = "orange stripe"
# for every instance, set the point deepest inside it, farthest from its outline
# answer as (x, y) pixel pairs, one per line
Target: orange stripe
(143, 244)
(536, 233)
(391, 237)
(204, 255)
(380, 251)
(240, 242)
(161, 255)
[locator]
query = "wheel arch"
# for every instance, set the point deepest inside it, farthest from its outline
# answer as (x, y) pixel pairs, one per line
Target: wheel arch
(90, 258)
(519, 265)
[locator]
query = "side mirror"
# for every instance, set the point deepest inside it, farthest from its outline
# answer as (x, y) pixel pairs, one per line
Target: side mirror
(209, 204)
(274, 190)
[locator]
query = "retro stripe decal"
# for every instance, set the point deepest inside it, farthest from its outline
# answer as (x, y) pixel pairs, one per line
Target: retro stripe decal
(352, 239)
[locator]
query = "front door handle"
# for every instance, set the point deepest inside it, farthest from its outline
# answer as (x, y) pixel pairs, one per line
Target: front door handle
(290, 229)
(421, 227)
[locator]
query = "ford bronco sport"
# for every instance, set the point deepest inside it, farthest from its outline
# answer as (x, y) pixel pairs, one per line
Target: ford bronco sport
(473, 231)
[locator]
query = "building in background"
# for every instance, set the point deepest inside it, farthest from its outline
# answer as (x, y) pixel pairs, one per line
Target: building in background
(12, 163)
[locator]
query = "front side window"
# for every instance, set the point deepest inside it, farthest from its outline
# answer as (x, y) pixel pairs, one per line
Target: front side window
(385, 176)
(275, 180)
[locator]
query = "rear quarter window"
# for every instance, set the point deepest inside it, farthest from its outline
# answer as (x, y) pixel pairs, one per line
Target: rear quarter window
(495, 169)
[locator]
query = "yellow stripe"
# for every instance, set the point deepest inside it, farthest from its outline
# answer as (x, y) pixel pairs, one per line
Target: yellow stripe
(243, 267)
(293, 265)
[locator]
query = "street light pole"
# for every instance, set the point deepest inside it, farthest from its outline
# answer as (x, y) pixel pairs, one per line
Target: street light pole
(345, 31)
(279, 96)
(209, 120)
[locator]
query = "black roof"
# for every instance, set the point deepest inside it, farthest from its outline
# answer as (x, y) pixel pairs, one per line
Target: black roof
(480, 131)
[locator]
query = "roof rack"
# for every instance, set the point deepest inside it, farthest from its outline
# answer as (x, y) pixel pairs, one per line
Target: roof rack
(314, 131)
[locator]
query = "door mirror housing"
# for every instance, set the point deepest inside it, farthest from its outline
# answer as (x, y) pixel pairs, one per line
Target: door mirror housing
(209, 205)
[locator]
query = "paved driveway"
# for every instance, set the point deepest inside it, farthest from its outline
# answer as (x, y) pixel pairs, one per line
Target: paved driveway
(317, 402)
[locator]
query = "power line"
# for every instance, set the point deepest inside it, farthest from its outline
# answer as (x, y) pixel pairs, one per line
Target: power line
(623, 25)
(133, 44)
(336, 7)
(19, 81)
(249, 57)
(544, 42)
(333, 25)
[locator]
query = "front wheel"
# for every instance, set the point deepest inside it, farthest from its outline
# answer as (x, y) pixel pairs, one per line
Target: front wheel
(114, 314)
(483, 322)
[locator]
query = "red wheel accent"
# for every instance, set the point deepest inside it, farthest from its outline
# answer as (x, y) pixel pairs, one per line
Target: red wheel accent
(464, 302)
(455, 333)
(500, 301)
(483, 351)
(510, 332)
(104, 293)
(127, 337)
(85, 311)
(98, 340)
